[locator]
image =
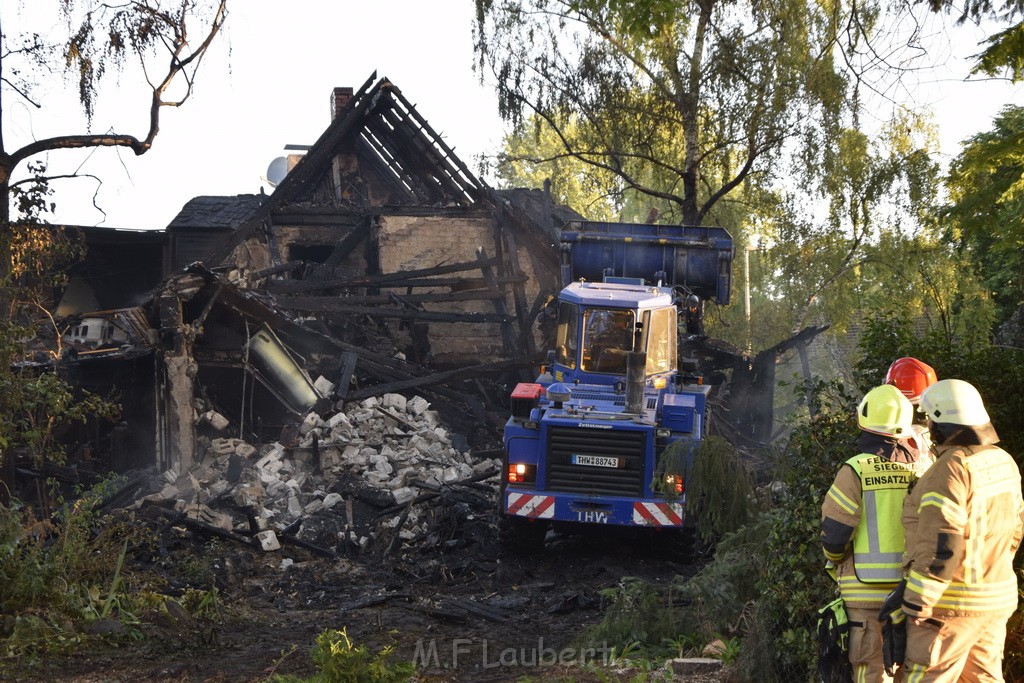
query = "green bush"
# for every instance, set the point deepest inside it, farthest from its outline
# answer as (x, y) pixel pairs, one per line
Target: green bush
(719, 495)
(59, 575)
(780, 641)
(338, 660)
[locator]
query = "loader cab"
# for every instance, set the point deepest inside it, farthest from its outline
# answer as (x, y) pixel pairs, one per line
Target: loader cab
(599, 323)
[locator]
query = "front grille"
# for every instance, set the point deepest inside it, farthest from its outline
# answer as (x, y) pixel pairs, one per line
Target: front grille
(614, 399)
(628, 446)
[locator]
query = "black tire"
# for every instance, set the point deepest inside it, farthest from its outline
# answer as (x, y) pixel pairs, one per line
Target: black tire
(677, 545)
(521, 535)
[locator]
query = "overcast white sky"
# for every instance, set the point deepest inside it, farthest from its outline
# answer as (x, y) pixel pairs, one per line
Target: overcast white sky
(268, 84)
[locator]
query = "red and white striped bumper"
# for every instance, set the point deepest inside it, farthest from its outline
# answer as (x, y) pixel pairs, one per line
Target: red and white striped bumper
(657, 514)
(529, 505)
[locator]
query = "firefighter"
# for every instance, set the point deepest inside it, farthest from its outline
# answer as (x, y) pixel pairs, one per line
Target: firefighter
(912, 377)
(964, 520)
(860, 529)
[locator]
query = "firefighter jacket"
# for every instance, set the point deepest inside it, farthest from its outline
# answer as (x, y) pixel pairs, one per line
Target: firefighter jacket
(963, 519)
(861, 531)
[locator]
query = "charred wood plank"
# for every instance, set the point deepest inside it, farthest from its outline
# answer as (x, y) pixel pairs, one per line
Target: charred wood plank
(478, 610)
(346, 245)
(179, 519)
(370, 280)
(335, 305)
(437, 612)
(305, 545)
(274, 270)
(374, 299)
(447, 376)
(526, 342)
(369, 601)
(348, 366)
(507, 333)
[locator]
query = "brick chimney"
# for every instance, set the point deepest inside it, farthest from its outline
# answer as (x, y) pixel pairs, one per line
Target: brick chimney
(340, 98)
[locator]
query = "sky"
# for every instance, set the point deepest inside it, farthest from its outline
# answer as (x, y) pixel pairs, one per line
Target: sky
(268, 80)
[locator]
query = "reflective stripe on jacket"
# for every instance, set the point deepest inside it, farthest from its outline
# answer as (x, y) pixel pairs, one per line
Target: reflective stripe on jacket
(964, 521)
(863, 506)
(878, 543)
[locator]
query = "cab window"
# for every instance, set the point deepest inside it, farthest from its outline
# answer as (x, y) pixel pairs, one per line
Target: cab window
(567, 334)
(607, 337)
(660, 342)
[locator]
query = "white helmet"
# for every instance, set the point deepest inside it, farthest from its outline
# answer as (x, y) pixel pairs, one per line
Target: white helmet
(954, 401)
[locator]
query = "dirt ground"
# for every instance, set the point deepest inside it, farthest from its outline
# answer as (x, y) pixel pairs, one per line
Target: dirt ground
(533, 609)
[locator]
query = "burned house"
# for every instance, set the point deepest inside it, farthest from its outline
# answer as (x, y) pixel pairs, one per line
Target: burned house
(380, 223)
(380, 263)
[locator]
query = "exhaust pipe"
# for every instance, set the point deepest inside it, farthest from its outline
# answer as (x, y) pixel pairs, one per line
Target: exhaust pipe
(636, 366)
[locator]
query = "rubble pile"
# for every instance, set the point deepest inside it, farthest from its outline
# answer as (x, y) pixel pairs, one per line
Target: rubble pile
(377, 474)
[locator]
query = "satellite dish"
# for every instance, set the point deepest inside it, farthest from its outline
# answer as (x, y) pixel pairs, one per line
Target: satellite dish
(277, 170)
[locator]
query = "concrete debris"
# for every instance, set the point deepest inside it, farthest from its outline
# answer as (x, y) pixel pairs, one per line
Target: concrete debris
(380, 474)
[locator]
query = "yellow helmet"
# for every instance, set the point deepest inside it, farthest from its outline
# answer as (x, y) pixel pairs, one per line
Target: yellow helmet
(954, 401)
(885, 410)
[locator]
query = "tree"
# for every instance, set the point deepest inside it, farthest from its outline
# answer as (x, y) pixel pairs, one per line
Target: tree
(986, 210)
(102, 39)
(724, 86)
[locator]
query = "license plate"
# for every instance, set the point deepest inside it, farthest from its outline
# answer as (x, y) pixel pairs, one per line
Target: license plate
(595, 460)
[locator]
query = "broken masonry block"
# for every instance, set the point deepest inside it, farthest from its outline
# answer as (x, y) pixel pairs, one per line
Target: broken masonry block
(311, 421)
(392, 523)
(330, 456)
(222, 446)
(245, 450)
(286, 562)
(216, 420)
(294, 506)
(369, 402)
(403, 495)
(272, 456)
(272, 466)
(416, 405)
(450, 474)
(394, 401)
(313, 507)
(364, 542)
(268, 540)
(481, 467)
(170, 476)
(381, 464)
(338, 419)
(693, 666)
(431, 417)
(324, 387)
(332, 499)
(277, 489)
(406, 534)
(267, 478)
(419, 445)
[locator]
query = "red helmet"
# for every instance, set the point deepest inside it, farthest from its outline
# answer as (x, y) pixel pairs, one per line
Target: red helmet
(911, 377)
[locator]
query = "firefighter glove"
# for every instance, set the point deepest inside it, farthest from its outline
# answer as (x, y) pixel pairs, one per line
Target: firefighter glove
(894, 629)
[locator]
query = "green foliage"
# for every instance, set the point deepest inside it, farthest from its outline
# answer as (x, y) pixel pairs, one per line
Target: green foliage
(57, 576)
(684, 616)
(720, 495)
(986, 210)
(338, 660)
(996, 371)
(780, 643)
